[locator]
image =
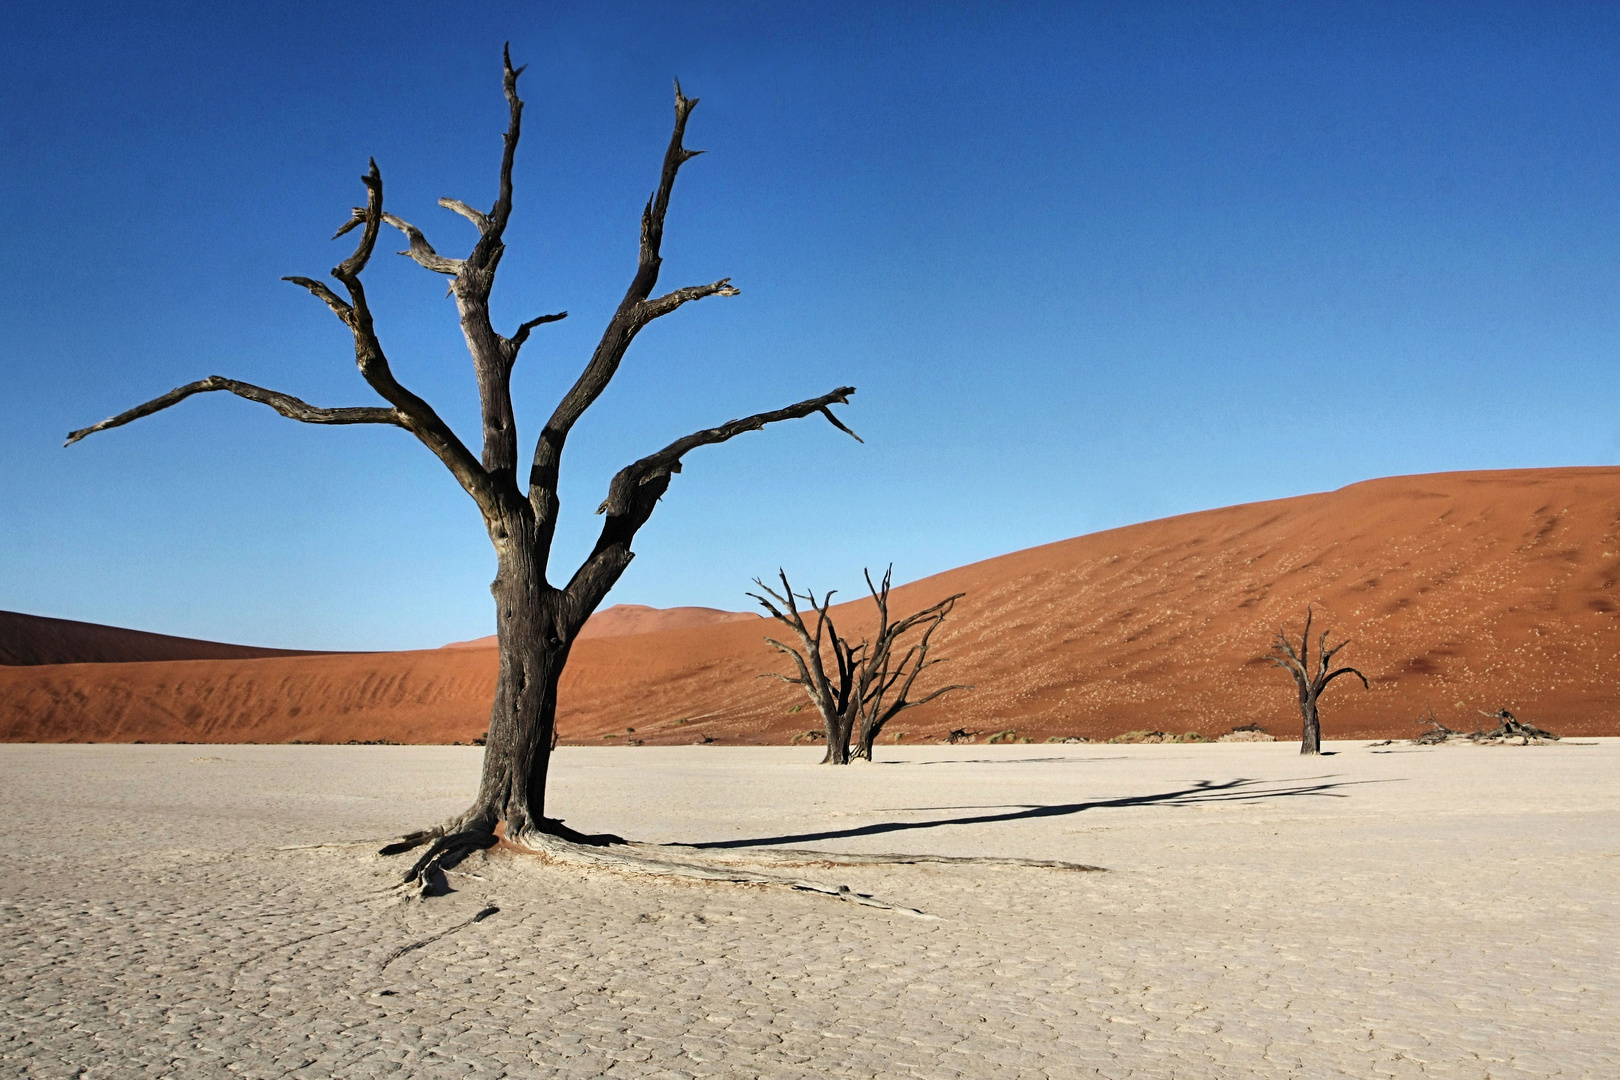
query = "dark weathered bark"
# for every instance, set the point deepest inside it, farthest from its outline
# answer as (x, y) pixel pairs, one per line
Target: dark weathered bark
(889, 682)
(536, 621)
(831, 694)
(868, 686)
(1310, 684)
(1508, 727)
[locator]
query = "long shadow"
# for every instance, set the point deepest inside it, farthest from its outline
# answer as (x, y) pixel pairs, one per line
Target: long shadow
(1204, 791)
(1007, 761)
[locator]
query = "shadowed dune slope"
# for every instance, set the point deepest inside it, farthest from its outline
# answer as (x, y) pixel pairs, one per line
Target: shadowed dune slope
(35, 639)
(1462, 591)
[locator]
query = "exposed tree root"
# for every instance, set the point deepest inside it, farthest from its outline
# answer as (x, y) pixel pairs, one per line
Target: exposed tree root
(413, 946)
(558, 843)
(812, 857)
(445, 850)
(655, 860)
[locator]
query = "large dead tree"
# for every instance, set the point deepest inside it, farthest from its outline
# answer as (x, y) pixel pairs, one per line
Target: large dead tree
(536, 621)
(1311, 684)
(871, 681)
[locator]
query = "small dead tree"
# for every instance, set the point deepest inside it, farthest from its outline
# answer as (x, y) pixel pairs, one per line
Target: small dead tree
(1511, 727)
(1508, 727)
(536, 621)
(1311, 684)
(868, 686)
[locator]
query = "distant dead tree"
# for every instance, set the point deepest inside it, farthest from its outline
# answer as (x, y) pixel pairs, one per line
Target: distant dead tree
(1298, 664)
(1508, 727)
(536, 621)
(868, 686)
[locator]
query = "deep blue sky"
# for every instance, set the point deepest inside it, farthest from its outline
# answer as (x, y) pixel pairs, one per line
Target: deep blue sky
(1088, 264)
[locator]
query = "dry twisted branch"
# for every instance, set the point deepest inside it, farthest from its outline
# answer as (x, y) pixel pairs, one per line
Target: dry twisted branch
(285, 404)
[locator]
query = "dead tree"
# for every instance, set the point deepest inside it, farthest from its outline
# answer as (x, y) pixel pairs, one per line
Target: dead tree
(1511, 727)
(1508, 727)
(1311, 685)
(536, 620)
(868, 686)
(1437, 733)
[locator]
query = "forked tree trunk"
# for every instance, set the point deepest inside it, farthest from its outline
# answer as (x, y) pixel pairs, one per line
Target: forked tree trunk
(838, 730)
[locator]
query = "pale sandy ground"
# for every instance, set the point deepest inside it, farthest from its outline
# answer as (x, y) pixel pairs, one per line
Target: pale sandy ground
(1376, 912)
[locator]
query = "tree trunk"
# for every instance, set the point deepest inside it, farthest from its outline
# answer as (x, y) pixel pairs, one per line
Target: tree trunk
(838, 728)
(863, 749)
(534, 644)
(868, 737)
(1311, 741)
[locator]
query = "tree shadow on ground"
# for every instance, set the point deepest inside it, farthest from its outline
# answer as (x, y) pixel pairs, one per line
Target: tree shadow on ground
(1204, 791)
(1003, 761)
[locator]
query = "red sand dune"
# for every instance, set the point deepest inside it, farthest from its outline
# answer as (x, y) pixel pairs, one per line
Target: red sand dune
(34, 639)
(622, 619)
(1462, 591)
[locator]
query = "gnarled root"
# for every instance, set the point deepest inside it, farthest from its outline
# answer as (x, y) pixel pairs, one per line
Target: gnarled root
(556, 842)
(812, 857)
(656, 860)
(447, 846)
(452, 842)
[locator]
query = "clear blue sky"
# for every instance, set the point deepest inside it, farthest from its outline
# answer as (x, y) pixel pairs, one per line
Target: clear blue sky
(1088, 264)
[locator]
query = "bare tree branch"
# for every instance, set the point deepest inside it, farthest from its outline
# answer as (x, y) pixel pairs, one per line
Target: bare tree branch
(1292, 666)
(477, 217)
(792, 654)
(409, 411)
(1348, 671)
(422, 251)
(878, 679)
(340, 308)
(370, 216)
(622, 493)
(492, 354)
(285, 404)
(620, 331)
(835, 422)
(663, 305)
(522, 334)
(357, 216)
(503, 199)
(636, 489)
(415, 414)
